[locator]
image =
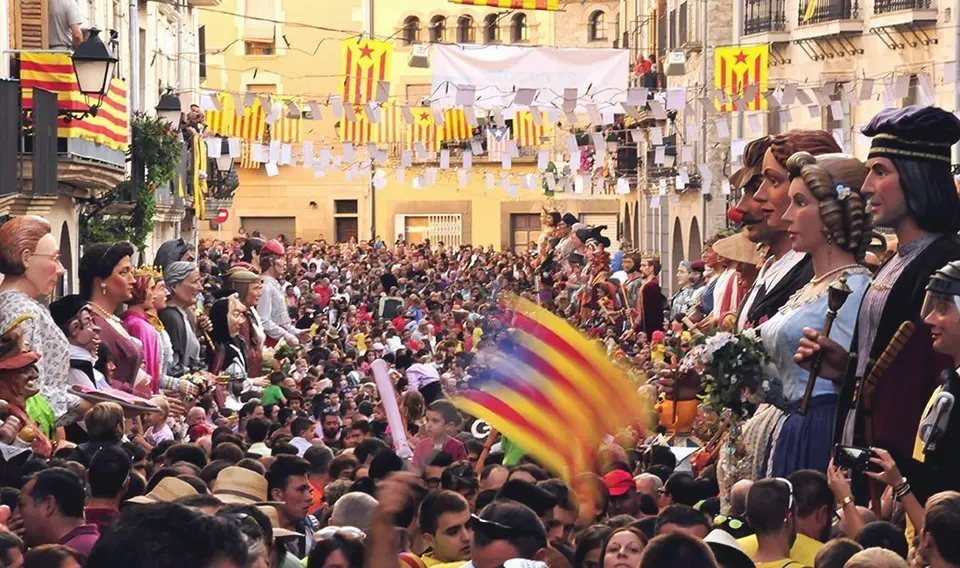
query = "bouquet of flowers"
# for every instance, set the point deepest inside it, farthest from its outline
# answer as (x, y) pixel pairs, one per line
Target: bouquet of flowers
(733, 368)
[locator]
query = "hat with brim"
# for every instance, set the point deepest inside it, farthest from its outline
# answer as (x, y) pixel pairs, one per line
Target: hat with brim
(14, 354)
(742, 177)
(271, 512)
(727, 550)
(19, 361)
(738, 248)
(272, 246)
(169, 489)
(241, 486)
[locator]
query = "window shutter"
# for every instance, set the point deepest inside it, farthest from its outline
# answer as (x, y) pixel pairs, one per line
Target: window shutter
(30, 24)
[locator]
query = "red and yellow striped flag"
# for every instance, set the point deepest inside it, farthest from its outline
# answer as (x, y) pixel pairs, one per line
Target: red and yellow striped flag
(54, 72)
(424, 129)
(287, 130)
(225, 122)
(364, 64)
(199, 182)
(455, 126)
(525, 132)
(738, 67)
(359, 131)
(513, 4)
(549, 377)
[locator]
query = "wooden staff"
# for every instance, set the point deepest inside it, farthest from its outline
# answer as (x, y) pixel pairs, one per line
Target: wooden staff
(491, 439)
(890, 352)
(836, 295)
(626, 304)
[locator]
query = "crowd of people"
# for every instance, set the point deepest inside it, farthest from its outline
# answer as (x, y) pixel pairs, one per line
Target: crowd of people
(265, 402)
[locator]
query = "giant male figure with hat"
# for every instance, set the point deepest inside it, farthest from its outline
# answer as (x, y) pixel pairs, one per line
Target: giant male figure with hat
(910, 189)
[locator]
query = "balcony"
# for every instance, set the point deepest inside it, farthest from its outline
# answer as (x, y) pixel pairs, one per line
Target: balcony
(829, 18)
(894, 13)
(765, 21)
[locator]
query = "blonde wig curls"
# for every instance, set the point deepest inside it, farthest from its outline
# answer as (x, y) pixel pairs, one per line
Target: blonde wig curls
(835, 180)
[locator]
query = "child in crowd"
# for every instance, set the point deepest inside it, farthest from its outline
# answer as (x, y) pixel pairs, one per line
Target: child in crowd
(273, 394)
(156, 426)
(442, 420)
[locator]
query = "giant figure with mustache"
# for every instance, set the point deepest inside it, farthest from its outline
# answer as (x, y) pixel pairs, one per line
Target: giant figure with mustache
(910, 189)
(765, 182)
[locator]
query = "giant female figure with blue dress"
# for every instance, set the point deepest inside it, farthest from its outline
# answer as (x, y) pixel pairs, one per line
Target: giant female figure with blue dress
(827, 220)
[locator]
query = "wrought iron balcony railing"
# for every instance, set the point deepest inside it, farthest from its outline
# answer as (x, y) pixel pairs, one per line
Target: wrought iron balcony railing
(886, 6)
(760, 16)
(828, 11)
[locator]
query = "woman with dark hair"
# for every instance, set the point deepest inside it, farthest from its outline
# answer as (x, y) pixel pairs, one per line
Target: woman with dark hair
(138, 321)
(339, 551)
(590, 547)
(229, 354)
(30, 265)
(52, 556)
(106, 281)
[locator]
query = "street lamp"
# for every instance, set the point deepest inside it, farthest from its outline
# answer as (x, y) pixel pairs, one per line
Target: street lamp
(169, 109)
(93, 65)
(224, 160)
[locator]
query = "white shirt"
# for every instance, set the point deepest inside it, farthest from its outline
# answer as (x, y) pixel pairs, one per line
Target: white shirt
(301, 444)
(770, 275)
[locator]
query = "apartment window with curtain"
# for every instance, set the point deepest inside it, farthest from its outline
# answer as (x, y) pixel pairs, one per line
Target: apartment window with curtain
(259, 33)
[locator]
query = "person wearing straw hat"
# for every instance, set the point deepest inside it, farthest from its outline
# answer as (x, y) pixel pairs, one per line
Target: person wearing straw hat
(18, 371)
(241, 486)
(169, 489)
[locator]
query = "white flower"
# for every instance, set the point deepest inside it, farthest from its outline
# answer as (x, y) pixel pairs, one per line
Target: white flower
(843, 191)
(749, 333)
(718, 341)
(765, 385)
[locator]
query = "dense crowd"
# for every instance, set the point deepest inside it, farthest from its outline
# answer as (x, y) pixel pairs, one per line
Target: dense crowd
(283, 402)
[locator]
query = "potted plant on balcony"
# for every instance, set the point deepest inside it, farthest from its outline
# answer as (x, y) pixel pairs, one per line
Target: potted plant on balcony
(154, 154)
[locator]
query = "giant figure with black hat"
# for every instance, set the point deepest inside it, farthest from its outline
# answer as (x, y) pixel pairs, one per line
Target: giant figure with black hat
(909, 189)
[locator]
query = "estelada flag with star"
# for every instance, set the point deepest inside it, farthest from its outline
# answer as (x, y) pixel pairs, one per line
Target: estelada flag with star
(738, 67)
(424, 129)
(365, 63)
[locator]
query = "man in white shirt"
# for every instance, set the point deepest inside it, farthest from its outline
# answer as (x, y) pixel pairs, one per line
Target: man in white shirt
(63, 19)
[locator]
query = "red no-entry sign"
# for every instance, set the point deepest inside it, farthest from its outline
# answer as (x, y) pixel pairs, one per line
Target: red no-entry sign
(222, 216)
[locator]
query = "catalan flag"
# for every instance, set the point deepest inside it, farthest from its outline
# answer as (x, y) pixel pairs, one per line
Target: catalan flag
(247, 161)
(513, 4)
(525, 132)
(364, 64)
(550, 377)
(54, 72)
(248, 126)
(738, 67)
(455, 126)
(287, 129)
(388, 129)
(424, 129)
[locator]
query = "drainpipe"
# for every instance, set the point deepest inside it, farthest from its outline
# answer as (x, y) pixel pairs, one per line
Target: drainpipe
(134, 39)
(955, 24)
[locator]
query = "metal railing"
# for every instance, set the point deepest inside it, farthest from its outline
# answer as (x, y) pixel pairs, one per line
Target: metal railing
(885, 6)
(761, 16)
(829, 11)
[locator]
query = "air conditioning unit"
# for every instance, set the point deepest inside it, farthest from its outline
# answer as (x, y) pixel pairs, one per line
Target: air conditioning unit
(675, 64)
(420, 56)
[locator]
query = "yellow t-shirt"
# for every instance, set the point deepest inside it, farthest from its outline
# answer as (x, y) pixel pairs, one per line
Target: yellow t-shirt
(361, 342)
(785, 563)
(804, 550)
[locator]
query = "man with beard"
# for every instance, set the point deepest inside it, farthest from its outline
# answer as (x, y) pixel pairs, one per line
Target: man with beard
(909, 189)
(785, 270)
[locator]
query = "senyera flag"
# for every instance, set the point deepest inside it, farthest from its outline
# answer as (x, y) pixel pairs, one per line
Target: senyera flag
(513, 4)
(554, 392)
(54, 72)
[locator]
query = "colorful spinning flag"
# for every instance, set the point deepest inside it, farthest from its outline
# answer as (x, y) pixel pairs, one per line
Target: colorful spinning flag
(554, 392)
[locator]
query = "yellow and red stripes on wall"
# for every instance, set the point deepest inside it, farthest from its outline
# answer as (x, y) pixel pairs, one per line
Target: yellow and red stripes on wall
(54, 72)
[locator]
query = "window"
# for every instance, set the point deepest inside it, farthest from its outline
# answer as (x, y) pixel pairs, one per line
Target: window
(491, 29)
(439, 228)
(258, 48)
(466, 31)
(682, 24)
(673, 29)
(345, 206)
(411, 30)
(524, 230)
(416, 93)
(597, 31)
(202, 48)
(438, 25)
(256, 25)
(518, 29)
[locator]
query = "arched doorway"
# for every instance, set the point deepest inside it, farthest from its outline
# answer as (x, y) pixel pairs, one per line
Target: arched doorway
(65, 284)
(627, 231)
(696, 241)
(676, 253)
